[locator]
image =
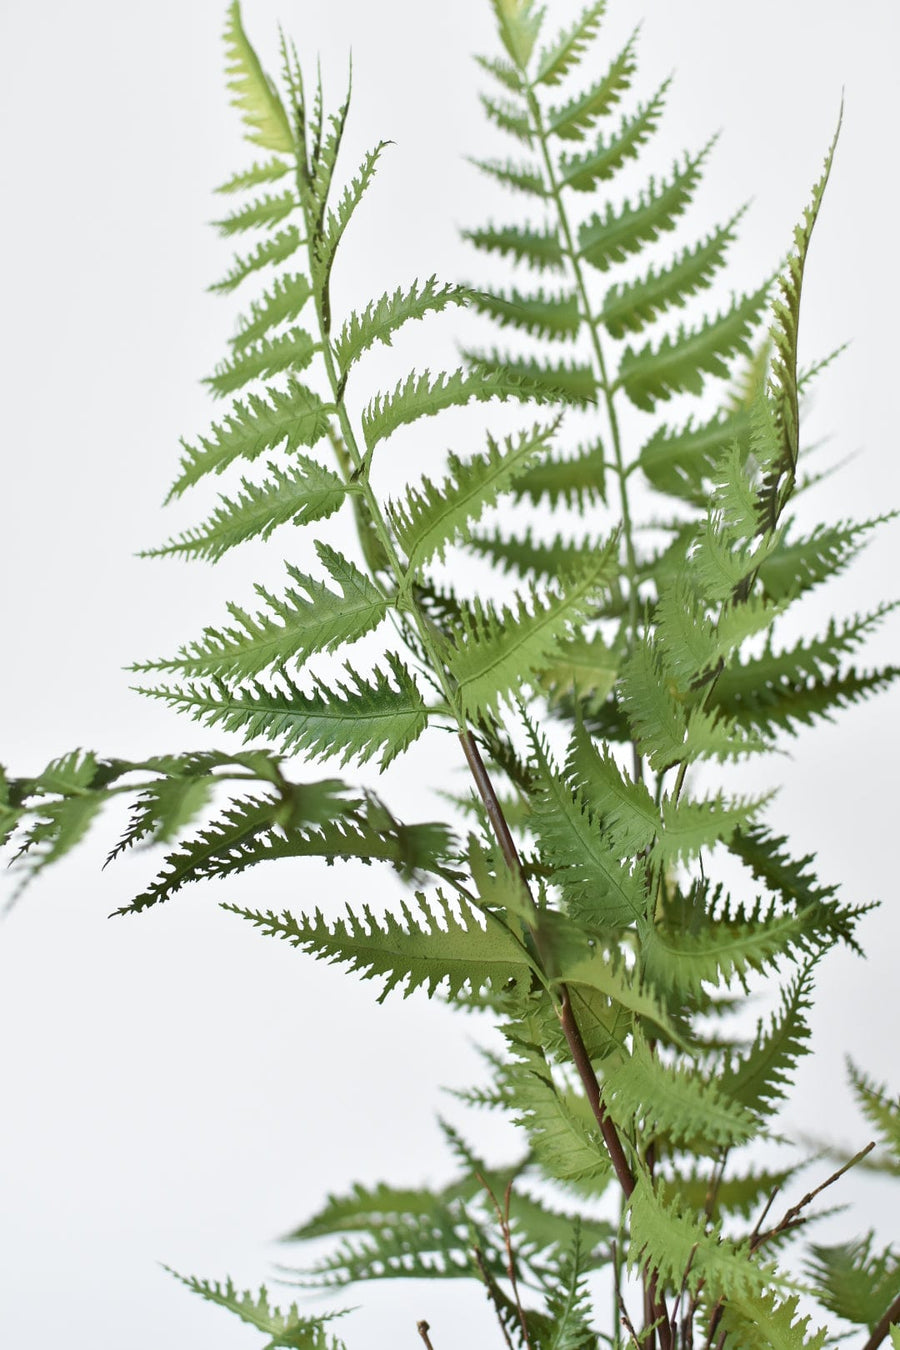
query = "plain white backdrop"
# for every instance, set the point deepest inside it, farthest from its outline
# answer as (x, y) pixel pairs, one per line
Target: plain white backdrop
(175, 1088)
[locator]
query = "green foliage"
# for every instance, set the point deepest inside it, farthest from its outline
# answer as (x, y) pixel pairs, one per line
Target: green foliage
(616, 902)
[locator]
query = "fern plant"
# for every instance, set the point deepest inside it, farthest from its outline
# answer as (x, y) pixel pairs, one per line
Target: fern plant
(602, 892)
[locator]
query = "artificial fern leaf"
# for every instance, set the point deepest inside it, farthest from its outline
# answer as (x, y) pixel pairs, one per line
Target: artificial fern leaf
(502, 71)
(340, 218)
(759, 1079)
(434, 515)
(741, 1194)
(357, 719)
(535, 558)
(281, 304)
(264, 213)
(508, 116)
(542, 315)
(496, 652)
(289, 1329)
(428, 1247)
(572, 119)
(427, 946)
(292, 351)
(583, 172)
(797, 565)
(575, 481)
(880, 1109)
(568, 1301)
(629, 306)
(274, 249)
(691, 825)
(518, 22)
(297, 495)
(560, 1128)
(424, 395)
(610, 238)
(679, 363)
(268, 171)
(674, 1101)
(382, 318)
(678, 1246)
(599, 888)
(763, 1323)
(854, 1282)
(253, 93)
(624, 809)
(292, 416)
(585, 667)
(680, 461)
(657, 720)
(521, 177)
(310, 617)
(539, 248)
(566, 51)
(571, 381)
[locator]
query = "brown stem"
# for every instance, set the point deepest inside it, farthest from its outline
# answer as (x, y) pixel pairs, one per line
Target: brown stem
(882, 1328)
(423, 1329)
(793, 1216)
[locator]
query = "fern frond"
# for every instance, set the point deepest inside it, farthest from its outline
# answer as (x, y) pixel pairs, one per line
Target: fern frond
(567, 49)
(518, 22)
(764, 1323)
(583, 172)
(268, 171)
(292, 416)
(572, 119)
(310, 617)
(760, 1078)
(691, 825)
(629, 306)
(678, 364)
(281, 304)
(503, 72)
(264, 213)
(290, 1329)
(510, 117)
(291, 351)
(275, 249)
(798, 565)
(551, 316)
(252, 92)
(496, 652)
(879, 1108)
(577, 481)
(561, 1130)
(434, 515)
(584, 667)
(382, 318)
(356, 719)
(338, 219)
(425, 395)
(568, 1300)
(674, 1101)
(610, 238)
(428, 946)
(538, 248)
(297, 495)
(740, 1194)
(559, 381)
(681, 461)
(526, 178)
(428, 1247)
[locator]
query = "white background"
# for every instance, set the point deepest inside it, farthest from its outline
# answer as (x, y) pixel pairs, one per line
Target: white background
(174, 1087)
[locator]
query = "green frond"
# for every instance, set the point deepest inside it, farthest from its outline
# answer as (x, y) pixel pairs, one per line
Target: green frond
(880, 1109)
(527, 178)
(566, 51)
(681, 461)
(269, 171)
(503, 72)
(691, 825)
(518, 22)
(761, 1322)
(425, 395)
(550, 316)
(623, 808)
(629, 306)
(286, 1329)
(538, 248)
(585, 667)
(561, 1129)
(267, 252)
(657, 720)
(568, 1299)
(558, 381)
(264, 213)
(678, 364)
(583, 172)
(509, 116)
(432, 516)
(741, 1194)
(578, 480)
(340, 218)
(496, 652)
(426, 1247)
(612, 237)
(599, 887)
(759, 1079)
(290, 417)
(297, 496)
(382, 318)
(430, 945)
(572, 119)
(309, 618)
(674, 1101)
(282, 304)
(670, 1241)
(290, 351)
(798, 565)
(252, 92)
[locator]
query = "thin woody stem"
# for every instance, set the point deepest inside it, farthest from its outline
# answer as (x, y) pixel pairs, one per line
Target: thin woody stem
(423, 1329)
(883, 1327)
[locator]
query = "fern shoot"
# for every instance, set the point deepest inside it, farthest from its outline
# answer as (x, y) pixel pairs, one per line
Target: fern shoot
(608, 891)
